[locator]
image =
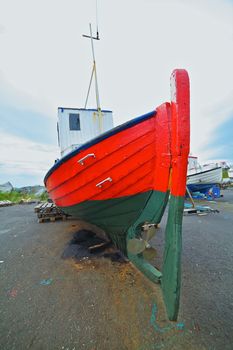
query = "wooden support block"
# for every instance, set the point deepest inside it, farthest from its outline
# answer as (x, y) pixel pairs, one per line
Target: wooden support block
(95, 247)
(190, 211)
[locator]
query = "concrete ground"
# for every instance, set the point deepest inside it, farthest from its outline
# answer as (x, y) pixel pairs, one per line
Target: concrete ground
(49, 300)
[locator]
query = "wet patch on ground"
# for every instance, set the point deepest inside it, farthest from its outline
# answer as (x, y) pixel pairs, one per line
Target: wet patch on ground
(85, 244)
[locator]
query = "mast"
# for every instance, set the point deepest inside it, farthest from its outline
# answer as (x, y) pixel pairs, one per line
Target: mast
(94, 73)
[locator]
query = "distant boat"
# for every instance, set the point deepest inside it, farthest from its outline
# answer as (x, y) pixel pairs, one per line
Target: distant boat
(202, 178)
(121, 180)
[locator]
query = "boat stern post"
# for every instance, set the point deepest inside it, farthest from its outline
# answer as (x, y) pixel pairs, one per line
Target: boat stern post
(180, 138)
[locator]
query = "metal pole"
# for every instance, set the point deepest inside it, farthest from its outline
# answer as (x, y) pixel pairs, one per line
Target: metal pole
(89, 88)
(190, 196)
(94, 65)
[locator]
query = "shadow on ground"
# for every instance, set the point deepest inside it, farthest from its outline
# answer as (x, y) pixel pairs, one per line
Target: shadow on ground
(86, 244)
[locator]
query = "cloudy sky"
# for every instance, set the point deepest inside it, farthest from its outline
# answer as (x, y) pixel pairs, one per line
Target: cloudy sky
(45, 63)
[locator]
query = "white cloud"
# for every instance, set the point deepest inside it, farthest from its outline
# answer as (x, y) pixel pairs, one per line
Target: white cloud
(21, 156)
(11, 94)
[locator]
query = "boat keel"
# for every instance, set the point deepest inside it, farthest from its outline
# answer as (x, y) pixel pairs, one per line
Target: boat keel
(170, 277)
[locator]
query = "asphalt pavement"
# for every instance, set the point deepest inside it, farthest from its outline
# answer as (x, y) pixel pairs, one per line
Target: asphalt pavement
(56, 295)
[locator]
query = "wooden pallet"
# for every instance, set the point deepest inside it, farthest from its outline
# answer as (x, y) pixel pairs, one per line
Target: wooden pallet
(41, 206)
(52, 218)
(49, 212)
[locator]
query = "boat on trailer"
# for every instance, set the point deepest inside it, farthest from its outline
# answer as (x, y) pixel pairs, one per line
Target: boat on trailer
(122, 180)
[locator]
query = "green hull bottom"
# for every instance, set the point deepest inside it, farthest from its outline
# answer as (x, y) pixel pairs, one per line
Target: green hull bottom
(115, 216)
(122, 218)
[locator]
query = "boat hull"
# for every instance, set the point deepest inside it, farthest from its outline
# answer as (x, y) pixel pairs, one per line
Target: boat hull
(207, 177)
(123, 179)
(203, 188)
(119, 169)
(230, 174)
(116, 215)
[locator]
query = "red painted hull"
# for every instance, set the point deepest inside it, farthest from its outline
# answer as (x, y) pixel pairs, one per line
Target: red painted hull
(136, 159)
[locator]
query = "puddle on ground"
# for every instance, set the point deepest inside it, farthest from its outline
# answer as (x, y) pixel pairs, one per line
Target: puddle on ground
(79, 248)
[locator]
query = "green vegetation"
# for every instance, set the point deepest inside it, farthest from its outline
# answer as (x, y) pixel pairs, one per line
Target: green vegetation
(16, 197)
(44, 196)
(11, 196)
(225, 173)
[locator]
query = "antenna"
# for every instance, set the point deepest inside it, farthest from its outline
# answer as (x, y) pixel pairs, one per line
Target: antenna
(97, 22)
(97, 25)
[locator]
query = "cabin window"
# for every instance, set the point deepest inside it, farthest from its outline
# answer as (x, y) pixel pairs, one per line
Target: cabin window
(74, 121)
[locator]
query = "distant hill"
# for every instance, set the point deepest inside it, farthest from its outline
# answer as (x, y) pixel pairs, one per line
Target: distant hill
(36, 190)
(6, 187)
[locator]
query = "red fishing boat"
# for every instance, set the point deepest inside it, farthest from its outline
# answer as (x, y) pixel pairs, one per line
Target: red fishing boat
(123, 179)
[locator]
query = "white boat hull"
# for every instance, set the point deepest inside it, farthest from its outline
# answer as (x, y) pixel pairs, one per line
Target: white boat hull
(230, 174)
(211, 176)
